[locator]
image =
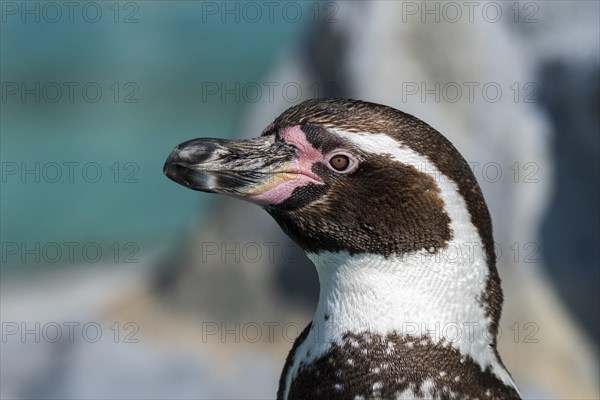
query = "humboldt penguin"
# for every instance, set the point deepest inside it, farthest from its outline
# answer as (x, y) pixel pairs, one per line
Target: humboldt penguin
(398, 229)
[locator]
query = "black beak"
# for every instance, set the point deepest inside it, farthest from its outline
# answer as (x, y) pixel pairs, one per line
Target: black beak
(241, 168)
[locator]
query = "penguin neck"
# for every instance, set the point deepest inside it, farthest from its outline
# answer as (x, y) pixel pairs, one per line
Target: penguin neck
(420, 294)
(423, 296)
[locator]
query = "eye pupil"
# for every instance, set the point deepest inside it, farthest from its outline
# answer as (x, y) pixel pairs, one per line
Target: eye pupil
(339, 162)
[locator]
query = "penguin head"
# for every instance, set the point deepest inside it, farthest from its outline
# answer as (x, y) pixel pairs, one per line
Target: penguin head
(340, 175)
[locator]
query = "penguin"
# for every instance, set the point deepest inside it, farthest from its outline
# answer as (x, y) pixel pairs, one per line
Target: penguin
(395, 222)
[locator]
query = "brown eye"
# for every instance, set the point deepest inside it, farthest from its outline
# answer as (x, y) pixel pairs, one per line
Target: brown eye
(339, 162)
(342, 161)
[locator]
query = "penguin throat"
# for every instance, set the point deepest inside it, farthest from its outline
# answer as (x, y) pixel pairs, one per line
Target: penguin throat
(419, 294)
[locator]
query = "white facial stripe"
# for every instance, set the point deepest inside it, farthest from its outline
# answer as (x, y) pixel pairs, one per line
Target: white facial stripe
(436, 292)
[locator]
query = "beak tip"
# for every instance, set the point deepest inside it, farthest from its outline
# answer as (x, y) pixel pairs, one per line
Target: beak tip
(169, 163)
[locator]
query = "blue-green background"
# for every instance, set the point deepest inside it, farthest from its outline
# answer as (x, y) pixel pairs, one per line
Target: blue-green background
(169, 53)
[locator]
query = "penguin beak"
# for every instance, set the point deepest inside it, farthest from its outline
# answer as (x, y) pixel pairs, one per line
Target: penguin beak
(239, 168)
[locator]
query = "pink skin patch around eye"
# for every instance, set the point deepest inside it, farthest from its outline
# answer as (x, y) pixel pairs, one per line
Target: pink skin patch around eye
(301, 166)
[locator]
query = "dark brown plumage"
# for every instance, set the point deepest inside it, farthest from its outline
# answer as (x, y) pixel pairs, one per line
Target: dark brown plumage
(365, 361)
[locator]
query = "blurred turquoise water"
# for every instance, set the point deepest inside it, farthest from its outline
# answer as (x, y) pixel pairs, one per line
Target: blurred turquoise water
(161, 63)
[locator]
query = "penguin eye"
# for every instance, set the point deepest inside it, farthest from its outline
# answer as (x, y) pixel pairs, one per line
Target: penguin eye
(342, 162)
